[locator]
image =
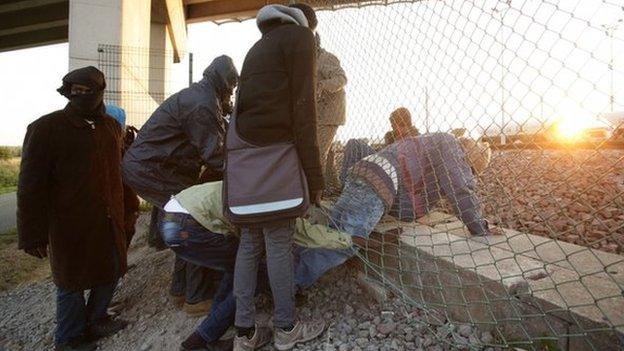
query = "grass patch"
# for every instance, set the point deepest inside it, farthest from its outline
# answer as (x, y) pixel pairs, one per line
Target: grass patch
(9, 171)
(16, 267)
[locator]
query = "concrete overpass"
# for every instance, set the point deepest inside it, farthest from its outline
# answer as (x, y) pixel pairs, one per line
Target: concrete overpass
(28, 23)
(127, 25)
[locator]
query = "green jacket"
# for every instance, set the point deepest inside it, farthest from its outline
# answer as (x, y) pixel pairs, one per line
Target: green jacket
(205, 205)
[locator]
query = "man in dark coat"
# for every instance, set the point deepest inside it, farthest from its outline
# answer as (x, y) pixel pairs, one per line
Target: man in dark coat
(70, 200)
(186, 132)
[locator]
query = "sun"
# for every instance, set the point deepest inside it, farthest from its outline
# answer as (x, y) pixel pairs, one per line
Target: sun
(569, 129)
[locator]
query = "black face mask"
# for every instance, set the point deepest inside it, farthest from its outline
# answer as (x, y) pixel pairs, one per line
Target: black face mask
(86, 103)
(227, 107)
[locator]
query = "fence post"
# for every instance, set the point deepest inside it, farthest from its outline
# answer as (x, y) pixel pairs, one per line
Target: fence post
(190, 68)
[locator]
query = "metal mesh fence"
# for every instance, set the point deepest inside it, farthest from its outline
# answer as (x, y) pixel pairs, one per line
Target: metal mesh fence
(139, 79)
(540, 82)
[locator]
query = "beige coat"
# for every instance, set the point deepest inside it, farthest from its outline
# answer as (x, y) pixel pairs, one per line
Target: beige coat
(331, 80)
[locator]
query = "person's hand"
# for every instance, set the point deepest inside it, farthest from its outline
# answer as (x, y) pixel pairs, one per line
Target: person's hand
(39, 251)
(315, 197)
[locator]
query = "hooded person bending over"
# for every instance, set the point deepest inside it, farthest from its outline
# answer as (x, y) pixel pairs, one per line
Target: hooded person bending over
(185, 133)
(70, 204)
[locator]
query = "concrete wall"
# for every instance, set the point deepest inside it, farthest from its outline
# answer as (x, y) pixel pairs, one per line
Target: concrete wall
(140, 73)
(528, 290)
(87, 31)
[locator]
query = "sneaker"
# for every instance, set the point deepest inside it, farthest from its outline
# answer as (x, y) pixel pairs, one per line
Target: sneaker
(302, 332)
(105, 328)
(199, 309)
(261, 337)
(78, 344)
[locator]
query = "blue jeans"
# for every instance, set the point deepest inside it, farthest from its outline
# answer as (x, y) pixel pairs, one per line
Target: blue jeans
(73, 316)
(354, 151)
(356, 212)
(197, 245)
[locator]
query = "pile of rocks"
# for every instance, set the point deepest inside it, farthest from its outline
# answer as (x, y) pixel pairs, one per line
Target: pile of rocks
(571, 195)
(356, 322)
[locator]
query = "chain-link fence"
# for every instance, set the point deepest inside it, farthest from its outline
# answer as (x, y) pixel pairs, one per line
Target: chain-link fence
(541, 82)
(139, 79)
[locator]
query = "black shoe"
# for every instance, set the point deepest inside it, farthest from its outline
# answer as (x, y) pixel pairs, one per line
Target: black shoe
(196, 343)
(78, 344)
(221, 345)
(105, 327)
(193, 343)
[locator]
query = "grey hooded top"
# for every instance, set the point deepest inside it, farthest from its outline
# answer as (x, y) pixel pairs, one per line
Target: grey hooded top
(185, 132)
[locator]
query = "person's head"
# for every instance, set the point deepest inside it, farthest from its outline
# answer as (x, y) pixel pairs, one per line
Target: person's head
(224, 76)
(84, 87)
(309, 13)
(271, 16)
(400, 119)
(117, 113)
(478, 154)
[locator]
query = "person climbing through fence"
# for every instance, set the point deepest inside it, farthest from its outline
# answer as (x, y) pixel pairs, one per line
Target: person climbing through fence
(185, 133)
(402, 126)
(405, 180)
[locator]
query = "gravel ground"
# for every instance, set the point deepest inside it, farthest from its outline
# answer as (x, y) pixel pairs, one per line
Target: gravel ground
(356, 322)
(575, 195)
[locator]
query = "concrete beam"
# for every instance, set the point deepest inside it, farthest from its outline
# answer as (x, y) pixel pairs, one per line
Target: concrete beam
(25, 24)
(176, 26)
(218, 10)
(223, 10)
(23, 40)
(15, 5)
(21, 17)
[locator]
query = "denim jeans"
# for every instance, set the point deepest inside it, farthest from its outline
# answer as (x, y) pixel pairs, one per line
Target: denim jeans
(187, 279)
(277, 241)
(356, 212)
(200, 247)
(73, 316)
(354, 151)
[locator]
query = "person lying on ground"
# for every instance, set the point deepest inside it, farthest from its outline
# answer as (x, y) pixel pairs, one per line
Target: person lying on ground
(196, 228)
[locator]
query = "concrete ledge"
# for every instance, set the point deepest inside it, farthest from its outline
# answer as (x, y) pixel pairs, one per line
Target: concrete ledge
(528, 290)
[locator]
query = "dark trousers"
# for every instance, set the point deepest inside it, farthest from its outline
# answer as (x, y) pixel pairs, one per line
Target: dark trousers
(189, 280)
(74, 314)
(202, 248)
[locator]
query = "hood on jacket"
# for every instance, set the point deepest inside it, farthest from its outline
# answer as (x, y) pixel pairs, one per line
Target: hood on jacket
(278, 14)
(223, 74)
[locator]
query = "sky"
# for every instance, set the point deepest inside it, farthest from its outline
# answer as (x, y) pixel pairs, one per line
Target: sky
(480, 65)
